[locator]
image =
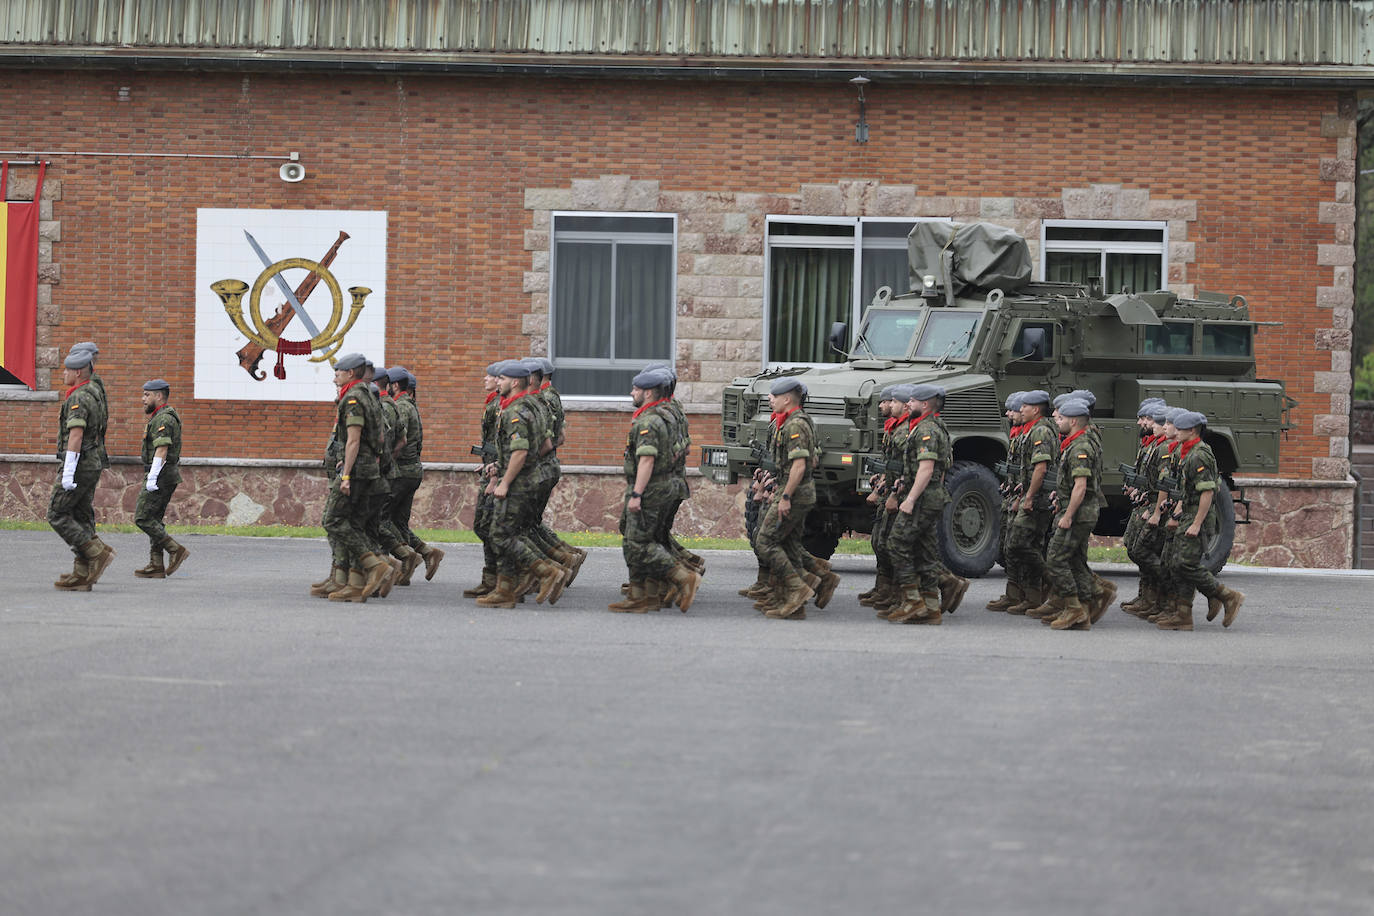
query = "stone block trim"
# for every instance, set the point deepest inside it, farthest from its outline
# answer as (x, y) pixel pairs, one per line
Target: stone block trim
(721, 261)
(1339, 213)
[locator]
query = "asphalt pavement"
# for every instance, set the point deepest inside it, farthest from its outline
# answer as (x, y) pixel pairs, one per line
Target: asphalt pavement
(221, 743)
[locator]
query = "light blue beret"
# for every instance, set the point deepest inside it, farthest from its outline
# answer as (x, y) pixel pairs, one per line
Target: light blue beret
(1074, 407)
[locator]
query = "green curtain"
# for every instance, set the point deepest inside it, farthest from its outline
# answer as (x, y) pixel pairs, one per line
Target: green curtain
(809, 289)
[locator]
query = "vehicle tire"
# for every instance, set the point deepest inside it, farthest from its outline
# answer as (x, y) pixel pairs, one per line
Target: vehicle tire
(751, 515)
(1217, 551)
(970, 524)
(817, 541)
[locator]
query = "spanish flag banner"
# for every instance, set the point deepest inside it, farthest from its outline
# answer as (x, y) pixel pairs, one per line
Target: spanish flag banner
(19, 280)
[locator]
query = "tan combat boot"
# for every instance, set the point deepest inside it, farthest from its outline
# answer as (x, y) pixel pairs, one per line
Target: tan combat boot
(410, 559)
(99, 555)
(352, 590)
(155, 569)
(393, 575)
(1145, 603)
(638, 601)
(1031, 598)
(933, 615)
(552, 579)
(687, 580)
(952, 591)
(176, 555)
(573, 558)
(75, 581)
(870, 598)
(338, 578)
(1102, 599)
(375, 572)
(488, 583)
(1074, 616)
(1009, 599)
(433, 557)
(503, 595)
(1231, 600)
(829, 581)
(1050, 608)
(918, 606)
(795, 594)
(1181, 615)
(758, 588)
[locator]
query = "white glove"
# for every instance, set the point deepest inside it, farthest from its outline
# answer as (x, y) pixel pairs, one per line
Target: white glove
(153, 472)
(69, 471)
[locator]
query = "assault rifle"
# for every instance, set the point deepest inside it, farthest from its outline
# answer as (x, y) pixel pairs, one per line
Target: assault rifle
(762, 457)
(1173, 493)
(486, 451)
(1135, 480)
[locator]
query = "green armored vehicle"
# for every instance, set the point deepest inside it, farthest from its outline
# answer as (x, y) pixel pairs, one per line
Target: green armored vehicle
(977, 324)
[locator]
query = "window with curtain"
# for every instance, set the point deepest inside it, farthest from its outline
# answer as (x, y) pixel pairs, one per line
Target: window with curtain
(821, 271)
(1127, 255)
(611, 299)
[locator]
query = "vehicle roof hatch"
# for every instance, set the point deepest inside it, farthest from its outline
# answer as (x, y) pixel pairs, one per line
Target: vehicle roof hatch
(1132, 309)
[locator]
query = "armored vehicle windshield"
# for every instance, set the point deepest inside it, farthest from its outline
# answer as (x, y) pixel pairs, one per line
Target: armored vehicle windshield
(918, 334)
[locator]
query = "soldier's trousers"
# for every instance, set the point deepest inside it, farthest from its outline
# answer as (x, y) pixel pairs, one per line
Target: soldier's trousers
(402, 503)
(914, 547)
(646, 556)
(778, 541)
(1185, 570)
(512, 519)
(346, 519)
(880, 538)
(1066, 560)
(379, 526)
(1025, 546)
(481, 524)
(1148, 552)
(152, 508)
(72, 512)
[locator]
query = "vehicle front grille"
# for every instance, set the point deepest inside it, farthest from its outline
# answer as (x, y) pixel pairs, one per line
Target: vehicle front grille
(972, 407)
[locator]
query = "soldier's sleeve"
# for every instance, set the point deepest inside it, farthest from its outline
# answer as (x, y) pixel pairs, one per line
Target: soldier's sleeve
(355, 412)
(927, 443)
(1204, 468)
(1043, 445)
(517, 429)
(164, 431)
(1080, 460)
(77, 412)
(648, 436)
(799, 442)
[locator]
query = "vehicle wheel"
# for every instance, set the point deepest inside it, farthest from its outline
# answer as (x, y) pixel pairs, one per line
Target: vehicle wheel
(817, 541)
(1218, 549)
(751, 515)
(971, 522)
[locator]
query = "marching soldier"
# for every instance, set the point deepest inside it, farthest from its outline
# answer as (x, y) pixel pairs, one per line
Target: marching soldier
(778, 542)
(358, 425)
(81, 448)
(1161, 527)
(926, 458)
(1197, 481)
(409, 472)
(1011, 500)
(651, 494)
(1147, 549)
(890, 598)
(877, 492)
(1141, 496)
(1078, 500)
(547, 401)
(1039, 453)
(487, 451)
(515, 496)
(162, 459)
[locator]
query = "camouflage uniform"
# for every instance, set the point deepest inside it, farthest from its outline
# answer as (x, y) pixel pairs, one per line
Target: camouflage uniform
(913, 544)
(348, 516)
(778, 542)
(895, 434)
(646, 556)
(71, 512)
(1026, 541)
(481, 522)
(1066, 561)
(1197, 474)
(519, 428)
(164, 428)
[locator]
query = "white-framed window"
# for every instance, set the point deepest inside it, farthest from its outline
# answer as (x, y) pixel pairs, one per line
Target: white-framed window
(1127, 255)
(612, 299)
(824, 269)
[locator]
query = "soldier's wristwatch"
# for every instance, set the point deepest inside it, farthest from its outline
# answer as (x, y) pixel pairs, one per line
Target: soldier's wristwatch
(634, 495)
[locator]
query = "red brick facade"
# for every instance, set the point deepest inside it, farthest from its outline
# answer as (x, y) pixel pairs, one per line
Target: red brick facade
(1260, 183)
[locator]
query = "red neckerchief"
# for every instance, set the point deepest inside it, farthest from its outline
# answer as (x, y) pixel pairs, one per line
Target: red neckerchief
(344, 390)
(1188, 446)
(545, 385)
(648, 406)
(492, 395)
(1172, 445)
(778, 419)
(1069, 441)
(73, 388)
(1020, 429)
(917, 421)
(506, 402)
(894, 422)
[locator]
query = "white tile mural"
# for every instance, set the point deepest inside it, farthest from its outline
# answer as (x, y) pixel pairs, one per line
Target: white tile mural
(350, 248)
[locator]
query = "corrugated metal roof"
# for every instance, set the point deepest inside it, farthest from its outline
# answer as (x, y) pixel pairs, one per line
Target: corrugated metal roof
(1267, 32)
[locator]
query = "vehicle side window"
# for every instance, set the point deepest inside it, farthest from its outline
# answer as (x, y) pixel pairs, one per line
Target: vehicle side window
(1172, 338)
(1226, 340)
(1019, 349)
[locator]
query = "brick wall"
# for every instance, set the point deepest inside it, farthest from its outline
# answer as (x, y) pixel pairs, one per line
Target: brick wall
(1257, 185)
